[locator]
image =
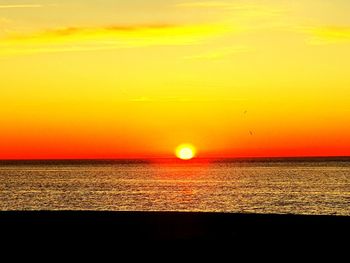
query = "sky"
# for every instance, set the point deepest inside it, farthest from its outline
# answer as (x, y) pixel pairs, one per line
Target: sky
(135, 79)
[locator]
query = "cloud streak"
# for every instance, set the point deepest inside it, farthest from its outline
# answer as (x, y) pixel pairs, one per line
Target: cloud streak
(333, 32)
(73, 39)
(20, 6)
(221, 53)
(321, 35)
(184, 100)
(208, 4)
(247, 10)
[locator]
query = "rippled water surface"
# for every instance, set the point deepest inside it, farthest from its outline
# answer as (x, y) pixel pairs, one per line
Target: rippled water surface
(265, 187)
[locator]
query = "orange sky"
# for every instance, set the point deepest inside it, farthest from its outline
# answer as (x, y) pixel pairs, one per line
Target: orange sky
(135, 79)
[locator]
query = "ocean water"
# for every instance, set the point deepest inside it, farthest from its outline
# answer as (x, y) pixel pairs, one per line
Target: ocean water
(321, 188)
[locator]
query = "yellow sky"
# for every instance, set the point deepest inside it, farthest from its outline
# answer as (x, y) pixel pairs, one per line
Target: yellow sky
(137, 78)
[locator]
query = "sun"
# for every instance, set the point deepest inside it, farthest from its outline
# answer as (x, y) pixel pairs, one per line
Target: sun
(185, 152)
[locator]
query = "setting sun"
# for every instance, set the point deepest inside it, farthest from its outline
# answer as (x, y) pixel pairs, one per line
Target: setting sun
(186, 152)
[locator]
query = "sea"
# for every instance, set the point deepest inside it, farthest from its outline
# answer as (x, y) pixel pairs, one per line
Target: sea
(278, 186)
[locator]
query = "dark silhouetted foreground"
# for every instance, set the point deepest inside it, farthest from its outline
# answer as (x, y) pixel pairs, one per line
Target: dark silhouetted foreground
(141, 226)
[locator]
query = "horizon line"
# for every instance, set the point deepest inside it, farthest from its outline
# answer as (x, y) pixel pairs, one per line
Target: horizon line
(175, 158)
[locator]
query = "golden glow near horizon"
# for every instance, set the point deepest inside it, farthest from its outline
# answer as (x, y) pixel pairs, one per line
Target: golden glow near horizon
(185, 152)
(120, 79)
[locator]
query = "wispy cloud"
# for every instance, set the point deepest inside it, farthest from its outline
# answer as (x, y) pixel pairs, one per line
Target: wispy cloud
(4, 21)
(184, 99)
(208, 4)
(20, 6)
(107, 37)
(333, 32)
(245, 9)
(221, 53)
(321, 35)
